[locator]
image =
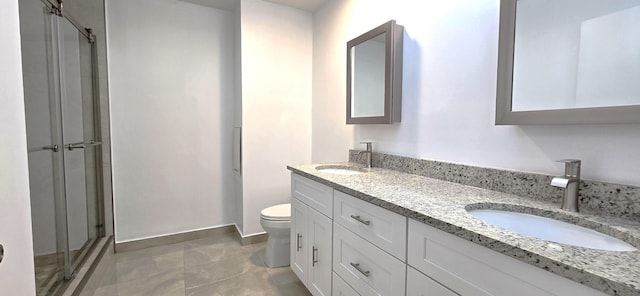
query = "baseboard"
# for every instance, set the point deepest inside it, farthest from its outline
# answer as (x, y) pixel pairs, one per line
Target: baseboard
(172, 239)
(250, 239)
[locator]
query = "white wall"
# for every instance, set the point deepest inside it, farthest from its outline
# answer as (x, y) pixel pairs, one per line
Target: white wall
(276, 60)
(16, 269)
(331, 137)
(171, 76)
(450, 54)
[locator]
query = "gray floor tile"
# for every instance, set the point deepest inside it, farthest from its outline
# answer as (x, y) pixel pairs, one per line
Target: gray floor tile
(108, 290)
(281, 276)
(166, 284)
(290, 289)
(249, 283)
(225, 268)
(219, 266)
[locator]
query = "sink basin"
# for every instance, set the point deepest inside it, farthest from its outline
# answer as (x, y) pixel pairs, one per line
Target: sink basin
(551, 230)
(340, 169)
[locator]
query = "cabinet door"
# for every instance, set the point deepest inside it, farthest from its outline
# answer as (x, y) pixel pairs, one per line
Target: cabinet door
(320, 234)
(419, 284)
(298, 237)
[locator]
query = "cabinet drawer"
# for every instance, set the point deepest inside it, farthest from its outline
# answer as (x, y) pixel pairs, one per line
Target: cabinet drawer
(365, 267)
(317, 196)
(419, 284)
(383, 228)
(471, 269)
(341, 288)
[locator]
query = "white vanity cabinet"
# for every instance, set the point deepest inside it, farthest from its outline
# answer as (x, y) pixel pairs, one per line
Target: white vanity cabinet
(311, 234)
(469, 269)
(341, 245)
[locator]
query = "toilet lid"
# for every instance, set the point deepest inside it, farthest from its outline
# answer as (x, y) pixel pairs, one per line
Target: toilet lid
(279, 212)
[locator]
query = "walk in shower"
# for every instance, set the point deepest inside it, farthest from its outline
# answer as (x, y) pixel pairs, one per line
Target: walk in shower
(59, 60)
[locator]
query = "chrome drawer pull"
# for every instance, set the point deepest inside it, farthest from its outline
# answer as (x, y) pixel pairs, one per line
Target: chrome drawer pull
(314, 256)
(357, 218)
(357, 267)
(298, 242)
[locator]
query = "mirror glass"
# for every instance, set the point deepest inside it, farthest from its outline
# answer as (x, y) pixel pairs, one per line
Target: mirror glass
(368, 77)
(571, 54)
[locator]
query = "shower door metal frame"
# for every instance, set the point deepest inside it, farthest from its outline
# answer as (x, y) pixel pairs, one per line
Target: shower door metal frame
(58, 6)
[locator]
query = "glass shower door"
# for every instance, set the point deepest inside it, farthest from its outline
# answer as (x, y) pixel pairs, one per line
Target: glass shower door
(41, 96)
(64, 143)
(80, 148)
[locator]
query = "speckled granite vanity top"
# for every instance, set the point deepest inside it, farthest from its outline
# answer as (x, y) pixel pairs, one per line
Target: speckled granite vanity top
(444, 205)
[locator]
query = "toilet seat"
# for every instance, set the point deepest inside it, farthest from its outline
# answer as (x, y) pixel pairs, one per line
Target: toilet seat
(280, 212)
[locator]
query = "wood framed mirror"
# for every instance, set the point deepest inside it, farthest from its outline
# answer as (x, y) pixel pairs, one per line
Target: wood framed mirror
(568, 62)
(374, 76)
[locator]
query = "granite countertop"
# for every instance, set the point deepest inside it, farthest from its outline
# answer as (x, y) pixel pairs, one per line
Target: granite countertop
(444, 205)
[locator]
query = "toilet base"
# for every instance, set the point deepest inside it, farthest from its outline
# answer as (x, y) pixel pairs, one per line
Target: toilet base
(277, 251)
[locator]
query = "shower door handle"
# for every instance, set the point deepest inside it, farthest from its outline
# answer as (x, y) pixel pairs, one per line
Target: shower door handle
(53, 148)
(78, 145)
(82, 145)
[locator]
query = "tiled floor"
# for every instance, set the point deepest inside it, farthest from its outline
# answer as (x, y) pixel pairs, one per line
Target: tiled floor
(218, 266)
(45, 267)
(48, 273)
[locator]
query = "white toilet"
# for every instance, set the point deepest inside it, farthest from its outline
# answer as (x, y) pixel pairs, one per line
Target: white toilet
(276, 221)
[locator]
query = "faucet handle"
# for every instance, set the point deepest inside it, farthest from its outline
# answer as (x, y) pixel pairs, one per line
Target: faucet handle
(369, 145)
(571, 167)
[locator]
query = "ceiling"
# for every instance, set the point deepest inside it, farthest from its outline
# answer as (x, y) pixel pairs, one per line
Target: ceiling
(220, 4)
(308, 5)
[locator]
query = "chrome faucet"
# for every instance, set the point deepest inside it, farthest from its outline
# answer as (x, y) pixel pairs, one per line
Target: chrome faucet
(570, 182)
(369, 152)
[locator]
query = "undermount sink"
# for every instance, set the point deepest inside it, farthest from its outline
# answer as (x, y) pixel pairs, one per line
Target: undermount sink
(340, 169)
(551, 230)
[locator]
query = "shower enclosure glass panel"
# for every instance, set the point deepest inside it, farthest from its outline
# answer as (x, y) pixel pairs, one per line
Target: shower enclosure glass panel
(45, 166)
(79, 144)
(64, 143)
